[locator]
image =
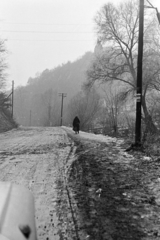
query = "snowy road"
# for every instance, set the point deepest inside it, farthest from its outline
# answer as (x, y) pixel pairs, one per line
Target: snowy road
(85, 186)
(35, 158)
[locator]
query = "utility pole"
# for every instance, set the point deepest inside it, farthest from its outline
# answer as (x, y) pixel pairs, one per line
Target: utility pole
(30, 118)
(49, 114)
(139, 76)
(12, 96)
(140, 70)
(63, 96)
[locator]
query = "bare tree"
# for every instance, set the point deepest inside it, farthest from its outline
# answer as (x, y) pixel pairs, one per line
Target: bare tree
(4, 101)
(117, 29)
(112, 106)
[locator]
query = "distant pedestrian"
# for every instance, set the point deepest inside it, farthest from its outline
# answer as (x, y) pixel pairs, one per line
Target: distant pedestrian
(76, 125)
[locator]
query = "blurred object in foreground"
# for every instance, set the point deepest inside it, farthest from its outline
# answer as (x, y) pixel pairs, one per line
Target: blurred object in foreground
(17, 220)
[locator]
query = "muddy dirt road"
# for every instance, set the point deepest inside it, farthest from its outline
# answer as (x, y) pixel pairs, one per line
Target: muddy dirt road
(85, 186)
(35, 158)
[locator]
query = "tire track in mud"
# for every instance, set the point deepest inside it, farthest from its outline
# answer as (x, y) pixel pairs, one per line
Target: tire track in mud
(68, 226)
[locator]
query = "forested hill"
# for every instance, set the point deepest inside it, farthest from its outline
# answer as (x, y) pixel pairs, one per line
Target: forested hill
(39, 101)
(65, 78)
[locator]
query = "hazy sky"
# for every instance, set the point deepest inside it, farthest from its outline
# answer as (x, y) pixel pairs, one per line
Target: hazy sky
(45, 33)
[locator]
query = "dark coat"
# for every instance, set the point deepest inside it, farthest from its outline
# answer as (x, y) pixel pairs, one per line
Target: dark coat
(76, 123)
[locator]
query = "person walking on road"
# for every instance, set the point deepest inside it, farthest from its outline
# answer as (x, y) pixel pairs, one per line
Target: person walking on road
(76, 125)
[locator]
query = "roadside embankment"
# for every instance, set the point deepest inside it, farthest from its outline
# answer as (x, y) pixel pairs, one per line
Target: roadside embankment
(6, 122)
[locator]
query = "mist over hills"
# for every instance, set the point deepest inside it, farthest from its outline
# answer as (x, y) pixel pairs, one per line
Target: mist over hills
(39, 102)
(64, 78)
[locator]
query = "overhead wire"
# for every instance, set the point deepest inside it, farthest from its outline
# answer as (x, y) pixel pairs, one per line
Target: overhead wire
(74, 31)
(40, 31)
(48, 24)
(48, 40)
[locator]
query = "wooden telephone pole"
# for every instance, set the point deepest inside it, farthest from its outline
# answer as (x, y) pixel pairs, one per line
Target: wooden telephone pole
(140, 70)
(12, 96)
(139, 76)
(30, 117)
(63, 95)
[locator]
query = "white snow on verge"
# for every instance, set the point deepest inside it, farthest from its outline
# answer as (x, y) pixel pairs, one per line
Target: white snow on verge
(96, 137)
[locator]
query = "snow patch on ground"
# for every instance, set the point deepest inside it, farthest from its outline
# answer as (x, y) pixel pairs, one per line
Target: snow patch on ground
(97, 137)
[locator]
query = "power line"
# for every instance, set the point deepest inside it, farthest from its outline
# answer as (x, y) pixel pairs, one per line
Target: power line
(48, 40)
(49, 24)
(15, 31)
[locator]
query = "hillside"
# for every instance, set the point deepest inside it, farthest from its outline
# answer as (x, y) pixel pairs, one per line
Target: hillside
(39, 100)
(6, 122)
(65, 78)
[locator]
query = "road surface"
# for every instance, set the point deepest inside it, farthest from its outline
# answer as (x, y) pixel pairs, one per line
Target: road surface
(85, 186)
(36, 158)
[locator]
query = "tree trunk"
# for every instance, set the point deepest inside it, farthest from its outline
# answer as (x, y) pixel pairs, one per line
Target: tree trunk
(149, 124)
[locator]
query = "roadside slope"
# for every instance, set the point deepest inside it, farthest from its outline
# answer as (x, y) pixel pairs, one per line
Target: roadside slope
(6, 123)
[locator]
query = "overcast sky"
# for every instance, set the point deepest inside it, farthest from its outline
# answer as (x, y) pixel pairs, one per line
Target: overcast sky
(45, 33)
